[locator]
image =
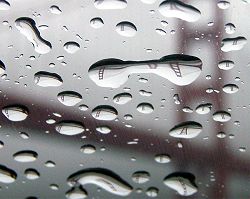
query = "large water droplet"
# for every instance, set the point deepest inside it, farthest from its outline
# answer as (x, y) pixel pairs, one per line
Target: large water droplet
(110, 4)
(46, 79)
(7, 175)
(140, 177)
(183, 183)
(102, 178)
(221, 116)
(15, 112)
(122, 98)
(230, 88)
(126, 29)
(96, 22)
(180, 10)
(71, 47)
(69, 128)
(233, 44)
(4, 5)
(28, 28)
(186, 130)
(69, 98)
(145, 108)
(104, 113)
(25, 156)
(179, 69)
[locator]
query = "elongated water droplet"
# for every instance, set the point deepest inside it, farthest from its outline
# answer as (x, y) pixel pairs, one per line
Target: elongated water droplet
(186, 130)
(96, 22)
(221, 116)
(162, 158)
(145, 93)
(140, 177)
(203, 108)
(104, 113)
(103, 129)
(31, 174)
(187, 109)
(110, 4)
(7, 175)
(4, 5)
(55, 10)
(230, 88)
(102, 178)
(126, 29)
(15, 112)
(46, 79)
(69, 128)
(179, 69)
(71, 47)
(25, 156)
(27, 27)
(226, 65)
(145, 108)
(183, 183)
(69, 98)
(76, 193)
(160, 31)
(233, 44)
(122, 98)
(180, 10)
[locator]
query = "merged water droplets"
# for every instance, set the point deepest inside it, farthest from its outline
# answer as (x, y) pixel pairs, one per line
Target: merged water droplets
(110, 4)
(102, 178)
(180, 10)
(145, 108)
(96, 22)
(27, 27)
(71, 47)
(15, 113)
(25, 156)
(104, 113)
(183, 183)
(221, 116)
(69, 128)
(69, 98)
(126, 29)
(179, 69)
(4, 5)
(186, 130)
(122, 98)
(233, 44)
(7, 175)
(141, 177)
(46, 79)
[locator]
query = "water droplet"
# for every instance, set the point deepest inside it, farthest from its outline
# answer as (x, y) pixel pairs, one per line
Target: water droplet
(145, 93)
(69, 128)
(233, 44)
(179, 69)
(230, 88)
(223, 5)
(180, 10)
(148, 1)
(88, 149)
(25, 156)
(55, 10)
(177, 99)
(126, 29)
(2, 68)
(230, 28)
(187, 109)
(160, 31)
(46, 79)
(104, 113)
(162, 158)
(221, 116)
(96, 22)
(104, 179)
(203, 108)
(152, 192)
(140, 177)
(54, 187)
(186, 130)
(27, 27)
(71, 47)
(76, 193)
(183, 183)
(7, 175)
(128, 117)
(226, 65)
(69, 98)
(15, 112)
(50, 121)
(103, 129)
(43, 27)
(122, 98)
(83, 107)
(145, 108)
(31, 174)
(4, 5)
(110, 4)
(242, 149)
(221, 135)
(50, 164)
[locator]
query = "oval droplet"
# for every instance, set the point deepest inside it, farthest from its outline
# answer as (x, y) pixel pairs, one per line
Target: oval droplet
(226, 65)
(96, 22)
(126, 29)
(7, 175)
(145, 108)
(141, 177)
(25, 156)
(46, 79)
(104, 113)
(69, 98)
(230, 88)
(203, 108)
(15, 113)
(71, 47)
(31, 174)
(103, 129)
(110, 4)
(162, 158)
(88, 149)
(122, 98)
(69, 128)
(221, 116)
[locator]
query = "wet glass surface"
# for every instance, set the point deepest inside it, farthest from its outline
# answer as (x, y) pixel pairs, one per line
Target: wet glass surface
(124, 99)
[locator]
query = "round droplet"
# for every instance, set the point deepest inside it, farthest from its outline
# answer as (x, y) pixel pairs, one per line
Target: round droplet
(230, 88)
(104, 113)
(203, 108)
(25, 156)
(226, 65)
(46, 79)
(103, 129)
(15, 113)
(145, 108)
(122, 98)
(126, 29)
(88, 149)
(96, 22)
(162, 158)
(31, 174)
(71, 47)
(221, 116)
(152, 192)
(140, 177)
(233, 44)
(69, 128)
(69, 98)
